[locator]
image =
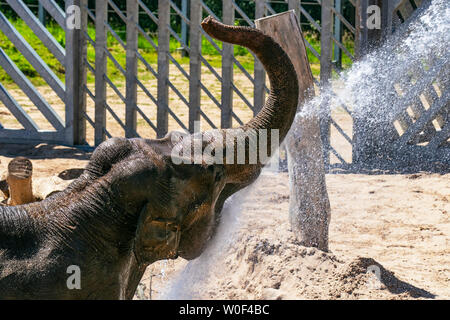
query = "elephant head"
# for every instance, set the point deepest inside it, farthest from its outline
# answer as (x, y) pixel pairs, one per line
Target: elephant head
(275, 117)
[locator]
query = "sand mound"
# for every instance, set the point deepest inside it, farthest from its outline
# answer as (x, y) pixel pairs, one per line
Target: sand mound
(263, 268)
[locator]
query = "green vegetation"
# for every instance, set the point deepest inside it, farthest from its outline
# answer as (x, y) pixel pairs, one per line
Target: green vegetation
(145, 49)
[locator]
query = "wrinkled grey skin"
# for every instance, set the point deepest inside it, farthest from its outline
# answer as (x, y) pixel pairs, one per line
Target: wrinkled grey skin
(133, 205)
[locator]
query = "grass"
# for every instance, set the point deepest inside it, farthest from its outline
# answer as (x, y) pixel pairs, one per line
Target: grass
(145, 48)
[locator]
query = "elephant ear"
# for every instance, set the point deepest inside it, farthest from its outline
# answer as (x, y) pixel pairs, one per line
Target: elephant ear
(156, 238)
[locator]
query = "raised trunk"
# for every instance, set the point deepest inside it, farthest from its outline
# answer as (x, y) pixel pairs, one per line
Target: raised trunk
(279, 109)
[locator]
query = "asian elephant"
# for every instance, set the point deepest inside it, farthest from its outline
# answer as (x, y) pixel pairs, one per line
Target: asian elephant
(135, 203)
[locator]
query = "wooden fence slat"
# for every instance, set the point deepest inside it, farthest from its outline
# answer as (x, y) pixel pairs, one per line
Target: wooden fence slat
(55, 11)
(39, 29)
(260, 75)
(195, 38)
(325, 73)
(27, 87)
(163, 67)
(227, 68)
(32, 57)
(131, 67)
(440, 136)
(101, 16)
(29, 137)
(76, 51)
(16, 110)
(418, 126)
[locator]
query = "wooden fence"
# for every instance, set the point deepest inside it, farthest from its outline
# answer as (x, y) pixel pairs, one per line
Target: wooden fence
(153, 97)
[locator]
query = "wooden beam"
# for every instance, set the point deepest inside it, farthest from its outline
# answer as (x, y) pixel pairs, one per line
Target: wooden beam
(227, 68)
(76, 53)
(260, 74)
(131, 68)
(309, 207)
(101, 17)
(195, 64)
(162, 119)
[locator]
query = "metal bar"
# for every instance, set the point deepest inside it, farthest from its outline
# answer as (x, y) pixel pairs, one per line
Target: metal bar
(195, 64)
(38, 28)
(260, 74)
(32, 57)
(76, 51)
(131, 67)
(227, 68)
(55, 11)
(22, 81)
(163, 67)
(17, 110)
(101, 18)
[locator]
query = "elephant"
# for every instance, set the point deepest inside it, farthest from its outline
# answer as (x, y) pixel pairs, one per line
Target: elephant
(136, 202)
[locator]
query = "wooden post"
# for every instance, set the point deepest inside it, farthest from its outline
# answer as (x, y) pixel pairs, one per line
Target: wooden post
(184, 33)
(76, 51)
(101, 16)
(260, 74)
(325, 75)
(131, 68)
(338, 35)
(309, 207)
(163, 67)
(227, 68)
(195, 37)
(19, 179)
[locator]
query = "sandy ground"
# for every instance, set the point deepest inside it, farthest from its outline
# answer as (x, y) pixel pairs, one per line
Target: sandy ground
(395, 225)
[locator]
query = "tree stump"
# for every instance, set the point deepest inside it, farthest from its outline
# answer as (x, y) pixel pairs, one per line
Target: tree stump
(309, 206)
(19, 179)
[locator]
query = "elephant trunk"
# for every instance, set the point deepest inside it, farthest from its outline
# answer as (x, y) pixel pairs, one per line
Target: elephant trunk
(280, 107)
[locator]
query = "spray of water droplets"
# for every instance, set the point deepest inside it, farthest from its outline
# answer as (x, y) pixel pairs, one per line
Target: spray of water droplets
(367, 88)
